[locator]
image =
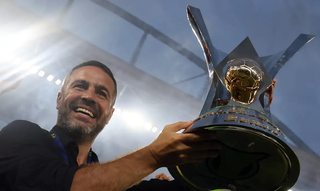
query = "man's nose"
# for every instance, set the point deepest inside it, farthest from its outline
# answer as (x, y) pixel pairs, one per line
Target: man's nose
(89, 96)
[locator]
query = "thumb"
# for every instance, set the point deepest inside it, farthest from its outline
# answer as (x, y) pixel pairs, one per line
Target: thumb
(180, 125)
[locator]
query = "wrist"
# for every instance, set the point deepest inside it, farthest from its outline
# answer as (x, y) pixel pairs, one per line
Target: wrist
(151, 158)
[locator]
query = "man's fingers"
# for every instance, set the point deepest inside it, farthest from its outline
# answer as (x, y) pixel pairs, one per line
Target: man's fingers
(271, 94)
(200, 136)
(271, 90)
(171, 148)
(157, 176)
(274, 82)
(186, 129)
(162, 176)
(178, 126)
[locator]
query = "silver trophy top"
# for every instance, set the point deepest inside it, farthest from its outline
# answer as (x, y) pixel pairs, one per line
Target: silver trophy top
(243, 75)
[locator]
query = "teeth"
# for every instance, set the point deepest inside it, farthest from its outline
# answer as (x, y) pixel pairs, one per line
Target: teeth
(85, 111)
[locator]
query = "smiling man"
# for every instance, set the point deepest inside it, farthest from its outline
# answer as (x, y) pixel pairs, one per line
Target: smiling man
(78, 112)
(32, 158)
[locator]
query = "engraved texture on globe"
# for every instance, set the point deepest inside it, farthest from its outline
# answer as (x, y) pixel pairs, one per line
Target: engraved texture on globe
(243, 79)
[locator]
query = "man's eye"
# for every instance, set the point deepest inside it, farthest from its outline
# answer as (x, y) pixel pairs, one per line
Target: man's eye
(79, 86)
(102, 94)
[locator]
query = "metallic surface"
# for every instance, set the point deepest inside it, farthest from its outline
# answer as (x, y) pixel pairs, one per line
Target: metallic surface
(211, 54)
(243, 79)
(275, 62)
(255, 155)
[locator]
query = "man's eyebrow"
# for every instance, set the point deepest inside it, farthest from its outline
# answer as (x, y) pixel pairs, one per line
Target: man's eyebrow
(99, 87)
(79, 81)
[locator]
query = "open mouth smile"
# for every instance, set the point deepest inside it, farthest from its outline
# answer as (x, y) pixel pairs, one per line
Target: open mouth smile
(84, 111)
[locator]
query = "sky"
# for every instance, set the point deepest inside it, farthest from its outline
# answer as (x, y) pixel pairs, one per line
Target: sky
(271, 25)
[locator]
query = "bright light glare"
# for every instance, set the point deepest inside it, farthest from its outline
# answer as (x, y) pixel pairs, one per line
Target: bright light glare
(16, 41)
(117, 111)
(148, 126)
(17, 61)
(27, 65)
(50, 78)
(154, 129)
(289, 190)
(58, 81)
(41, 73)
(125, 114)
(6, 57)
(132, 118)
(34, 70)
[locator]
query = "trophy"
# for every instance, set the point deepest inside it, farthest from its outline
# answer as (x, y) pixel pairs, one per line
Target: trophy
(255, 155)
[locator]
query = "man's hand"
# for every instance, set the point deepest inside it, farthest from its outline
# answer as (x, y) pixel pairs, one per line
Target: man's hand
(171, 148)
(9, 84)
(271, 89)
(162, 176)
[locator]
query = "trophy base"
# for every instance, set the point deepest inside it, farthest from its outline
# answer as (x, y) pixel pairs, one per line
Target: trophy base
(252, 158)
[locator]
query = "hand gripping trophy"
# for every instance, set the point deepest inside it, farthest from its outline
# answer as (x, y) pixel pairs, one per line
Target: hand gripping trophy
(255, 156)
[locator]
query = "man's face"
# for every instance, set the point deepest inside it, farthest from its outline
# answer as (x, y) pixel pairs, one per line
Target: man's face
(85, 104)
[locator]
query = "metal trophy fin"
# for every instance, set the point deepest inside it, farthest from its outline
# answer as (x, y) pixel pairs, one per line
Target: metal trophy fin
(275, 62)
(212, 55)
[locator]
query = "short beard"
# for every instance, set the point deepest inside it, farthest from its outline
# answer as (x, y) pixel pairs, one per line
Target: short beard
(79, 133)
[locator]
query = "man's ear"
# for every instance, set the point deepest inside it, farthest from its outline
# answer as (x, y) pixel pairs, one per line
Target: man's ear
(110, 115)
(59, 97)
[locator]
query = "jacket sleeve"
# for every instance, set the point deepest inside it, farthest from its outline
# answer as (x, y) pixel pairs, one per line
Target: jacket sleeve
(29, 160)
